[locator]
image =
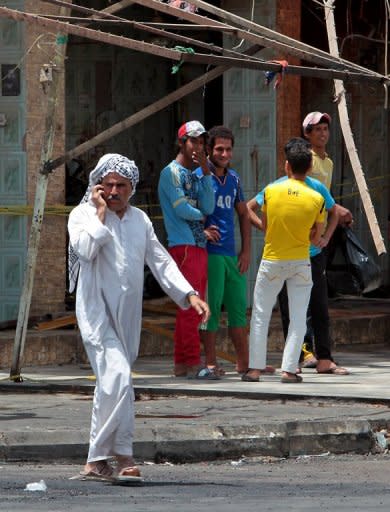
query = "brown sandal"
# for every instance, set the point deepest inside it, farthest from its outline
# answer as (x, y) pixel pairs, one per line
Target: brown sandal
(130, 474)
(247, 378)
(102, 471)
(293, 378)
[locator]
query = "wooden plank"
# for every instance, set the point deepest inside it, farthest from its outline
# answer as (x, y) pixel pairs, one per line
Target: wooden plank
(88, 33)
(56, 323)
(50, 123)
(149, 326)
(258, 35)
(118, 6)
(348, 136)
(160, 320)
(278, 37)
(146, 112)
(168, 309)
(153, 325)
(199, 58)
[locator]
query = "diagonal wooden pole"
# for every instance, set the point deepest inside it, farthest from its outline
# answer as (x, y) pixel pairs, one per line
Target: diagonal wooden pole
(248, 30)
(277, 37)
(258, 34)
(146, 112)
(180, 56)
(39, 206)
(348, 136)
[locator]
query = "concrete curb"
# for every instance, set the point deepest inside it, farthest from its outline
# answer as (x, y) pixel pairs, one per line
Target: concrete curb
(290, 439)
(349, 432)
(88, 389)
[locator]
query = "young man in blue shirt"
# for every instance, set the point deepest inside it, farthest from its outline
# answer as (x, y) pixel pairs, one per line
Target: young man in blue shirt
(186, 199)
(226, 269)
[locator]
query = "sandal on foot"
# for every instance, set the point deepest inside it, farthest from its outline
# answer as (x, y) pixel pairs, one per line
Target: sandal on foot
(293, 378)
(270, 370)
(130, 474)
(217, 369)
(310, 362)
(330, 367)
(247, 378)
(102, 470)
(335, 370)
(207, 374)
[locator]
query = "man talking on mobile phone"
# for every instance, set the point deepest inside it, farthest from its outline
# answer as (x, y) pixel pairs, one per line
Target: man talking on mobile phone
(110, 242)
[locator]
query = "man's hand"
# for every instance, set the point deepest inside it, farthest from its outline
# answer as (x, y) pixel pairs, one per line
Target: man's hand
(345, 216)
(99, 201)
(200, 306)
(212, 233)
(243, 261)
(323, 242)
(199, 158)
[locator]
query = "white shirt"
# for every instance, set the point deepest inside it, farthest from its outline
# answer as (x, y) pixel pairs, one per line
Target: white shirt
(110, 284)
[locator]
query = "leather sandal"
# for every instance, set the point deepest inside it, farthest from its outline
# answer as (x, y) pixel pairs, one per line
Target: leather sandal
(247, 378)
(100, 470)
(292, 378)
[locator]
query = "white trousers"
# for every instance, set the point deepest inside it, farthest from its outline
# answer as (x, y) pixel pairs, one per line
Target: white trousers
(112, 424)
(270, 279)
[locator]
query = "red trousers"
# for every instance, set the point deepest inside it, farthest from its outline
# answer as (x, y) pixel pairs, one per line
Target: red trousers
(192, 262)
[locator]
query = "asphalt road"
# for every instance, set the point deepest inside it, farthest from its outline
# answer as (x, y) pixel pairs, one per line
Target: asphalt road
(325, 482)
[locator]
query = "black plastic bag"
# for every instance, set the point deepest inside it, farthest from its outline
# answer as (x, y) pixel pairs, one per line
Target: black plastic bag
(350, 269)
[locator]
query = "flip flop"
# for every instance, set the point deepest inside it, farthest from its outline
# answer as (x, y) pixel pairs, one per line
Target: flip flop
(337, 370)
(94, 475)
(291, 379)
(205, 374)
(218, 370)
(311, 362)
(128, 475)
(103, 471)
(269, 370)
(247, 378)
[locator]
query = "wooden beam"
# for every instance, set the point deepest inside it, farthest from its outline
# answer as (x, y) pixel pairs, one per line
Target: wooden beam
(156, 31)
(276, 36)
(259, 35)
(175, 55)
(143, 113)
(88, 33)
(63, 321)
(184, 26)
(50, 123)
(238, 59)
(150, 326)
(118, 6)
(348, 136)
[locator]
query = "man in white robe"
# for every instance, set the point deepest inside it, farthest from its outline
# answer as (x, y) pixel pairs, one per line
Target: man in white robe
(110, 242)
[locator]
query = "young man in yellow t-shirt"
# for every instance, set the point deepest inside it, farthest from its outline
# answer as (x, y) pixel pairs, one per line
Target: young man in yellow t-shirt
(293, 217)
(316, 129)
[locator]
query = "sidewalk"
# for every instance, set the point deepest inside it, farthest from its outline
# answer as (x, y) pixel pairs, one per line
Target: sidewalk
(47, 416)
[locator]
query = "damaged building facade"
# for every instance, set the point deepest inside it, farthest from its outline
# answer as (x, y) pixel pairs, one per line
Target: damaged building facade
(103, 84)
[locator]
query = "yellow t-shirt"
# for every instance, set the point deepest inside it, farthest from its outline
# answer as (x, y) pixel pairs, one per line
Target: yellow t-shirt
(322, 169)
(292, 208)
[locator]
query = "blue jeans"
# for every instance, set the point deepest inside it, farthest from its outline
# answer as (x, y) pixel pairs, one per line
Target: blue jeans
(270, 279)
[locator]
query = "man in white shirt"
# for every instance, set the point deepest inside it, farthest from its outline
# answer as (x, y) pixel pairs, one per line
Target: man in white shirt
(110, 242)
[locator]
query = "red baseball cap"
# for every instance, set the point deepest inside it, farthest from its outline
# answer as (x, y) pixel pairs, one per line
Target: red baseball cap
(191, 129)
(314, 118)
